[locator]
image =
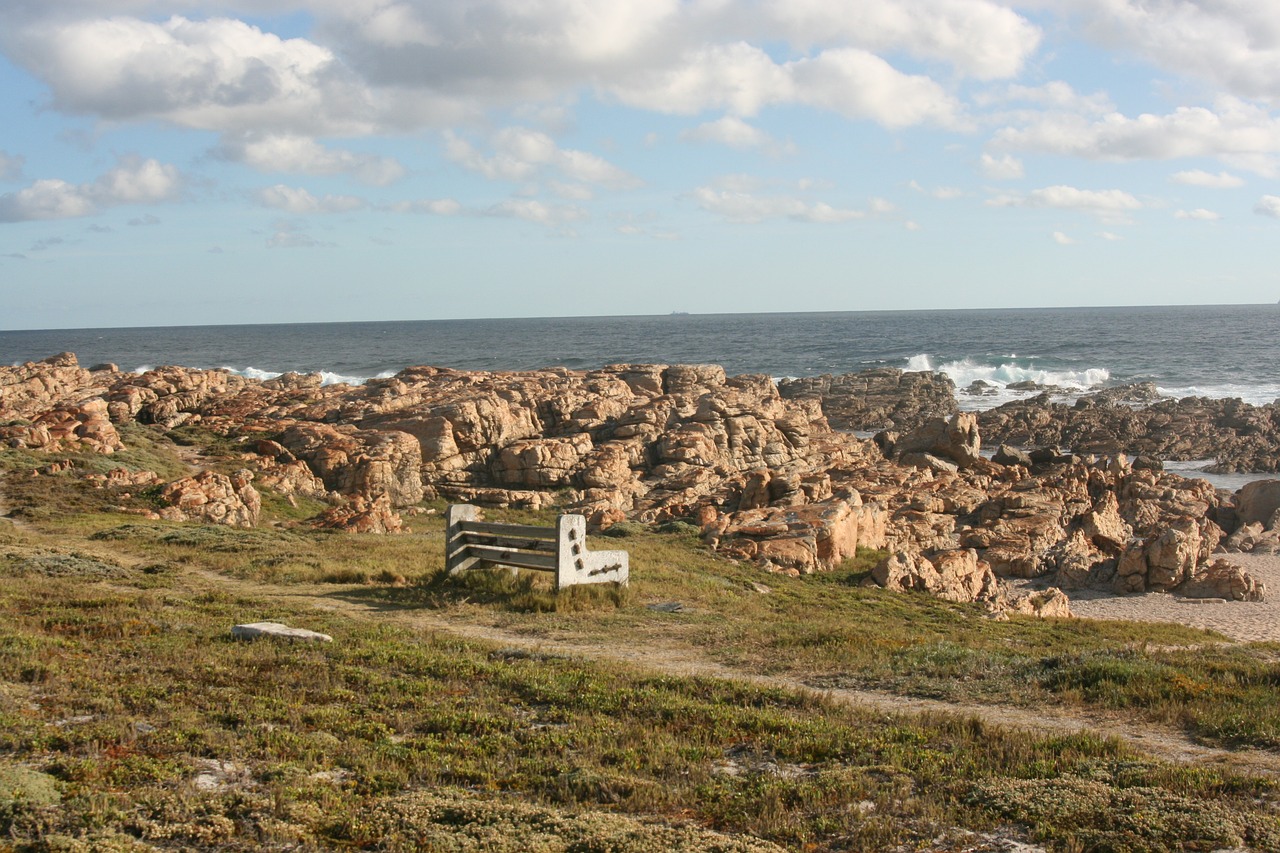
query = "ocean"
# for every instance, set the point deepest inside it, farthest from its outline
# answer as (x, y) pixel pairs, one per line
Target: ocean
(1210, 351)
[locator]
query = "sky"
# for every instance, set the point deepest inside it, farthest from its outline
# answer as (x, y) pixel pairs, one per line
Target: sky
(265, 161)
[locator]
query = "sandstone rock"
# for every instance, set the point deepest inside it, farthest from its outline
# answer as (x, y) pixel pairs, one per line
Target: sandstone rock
(877, 399)
(1221, 579)
(360, 462)
(956, 439)
(1104, 527)
(213, 498)
(363, 515)
(1257, 502)
(954, 575)
(1051, 603)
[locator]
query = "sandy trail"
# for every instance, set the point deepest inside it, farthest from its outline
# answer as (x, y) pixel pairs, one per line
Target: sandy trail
(1159, 741)
(1244, 621)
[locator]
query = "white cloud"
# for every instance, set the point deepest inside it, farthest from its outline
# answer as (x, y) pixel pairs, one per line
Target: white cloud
(521, 154)
(1111, 205)
(982, 39)
(742, 79)
(1236, 131)
(1004, 168)
(1062, 239)
(1268, 205)
(299, 200)
(735, 133)
(301, 155)
(215, 74)
(1057, 96)
(1109, 236)
(1200, 214)
(46, 199)
(1200, 178)
(940, 193)
(435, 207)
(737, 206)
(1234, 45)
(292, 235)
(540, 213)
(133, 181)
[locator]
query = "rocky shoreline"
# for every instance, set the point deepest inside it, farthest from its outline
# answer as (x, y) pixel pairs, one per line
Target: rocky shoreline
(768, 473)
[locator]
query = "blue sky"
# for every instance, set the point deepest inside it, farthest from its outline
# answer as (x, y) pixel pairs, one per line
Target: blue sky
(188, 162)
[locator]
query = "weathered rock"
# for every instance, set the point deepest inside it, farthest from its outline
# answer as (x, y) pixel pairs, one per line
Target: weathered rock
(1221, 579)
(213, 498)
(360, 462)
(256, 630)
(954, 575)
(1051, 603)
(955, 439)
(363, 515)
(1257, 502)
(877, 399)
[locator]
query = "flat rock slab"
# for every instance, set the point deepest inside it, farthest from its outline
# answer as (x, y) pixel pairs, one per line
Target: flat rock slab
(254, 630)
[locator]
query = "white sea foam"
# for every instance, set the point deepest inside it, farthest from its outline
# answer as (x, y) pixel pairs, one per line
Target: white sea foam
(964, 372)
(1258, 394)
(328, 378)
(254, 373)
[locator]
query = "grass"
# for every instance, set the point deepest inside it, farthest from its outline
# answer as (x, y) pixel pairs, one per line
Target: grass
(124, 696)
(130, 720)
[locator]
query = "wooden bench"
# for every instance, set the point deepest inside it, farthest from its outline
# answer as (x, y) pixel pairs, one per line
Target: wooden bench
(562, 549)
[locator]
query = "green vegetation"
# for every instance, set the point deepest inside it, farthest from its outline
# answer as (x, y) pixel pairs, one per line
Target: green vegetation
(130, 720)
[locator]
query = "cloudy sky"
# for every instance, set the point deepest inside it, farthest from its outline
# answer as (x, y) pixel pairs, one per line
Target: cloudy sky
(171, 162)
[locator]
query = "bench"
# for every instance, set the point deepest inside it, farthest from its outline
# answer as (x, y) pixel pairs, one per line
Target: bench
(562, 549)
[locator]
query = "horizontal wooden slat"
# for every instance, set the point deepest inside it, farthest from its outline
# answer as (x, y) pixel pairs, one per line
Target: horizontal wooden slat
(522, 530)
(521, 559)
(546, 546)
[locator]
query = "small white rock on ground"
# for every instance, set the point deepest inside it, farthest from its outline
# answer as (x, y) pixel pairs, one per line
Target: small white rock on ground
(254, 630)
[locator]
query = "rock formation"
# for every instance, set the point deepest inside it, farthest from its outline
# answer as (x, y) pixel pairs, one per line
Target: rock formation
(756, 467)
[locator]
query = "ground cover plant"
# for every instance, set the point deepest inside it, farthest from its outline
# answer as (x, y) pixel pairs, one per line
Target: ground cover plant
(129, 718)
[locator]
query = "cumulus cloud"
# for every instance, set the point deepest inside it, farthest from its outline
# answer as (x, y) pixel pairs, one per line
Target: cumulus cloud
(746, 207)
(1062, 239)
(1003, 168)
(133, 181)
(537, 212)
(1234, 45)
(435, 207)
(1200, 214)
(302, 155)
(299, 200)
(287, 234)
(521, 154)
(1200, 178)
(217, 74)
(940, 193)
(735, 133)
(1240, 132)
(742, 79)
(1113, 205)
(1268, 205)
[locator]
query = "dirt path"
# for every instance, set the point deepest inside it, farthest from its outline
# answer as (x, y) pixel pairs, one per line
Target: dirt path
(1158, 741)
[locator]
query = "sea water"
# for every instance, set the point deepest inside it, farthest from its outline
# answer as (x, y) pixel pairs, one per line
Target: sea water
(1209, 351)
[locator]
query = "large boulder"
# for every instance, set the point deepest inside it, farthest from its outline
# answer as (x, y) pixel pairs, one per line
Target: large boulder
(956, 439)
(213, 498)
(1257, 502)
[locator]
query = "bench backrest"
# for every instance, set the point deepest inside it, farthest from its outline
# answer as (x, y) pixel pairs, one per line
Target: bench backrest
(562, 549)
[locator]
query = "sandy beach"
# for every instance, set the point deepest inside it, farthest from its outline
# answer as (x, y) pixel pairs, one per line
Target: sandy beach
(1246, 621)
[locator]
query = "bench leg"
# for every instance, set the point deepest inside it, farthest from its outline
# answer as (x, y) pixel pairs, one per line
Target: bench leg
(457, 557)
